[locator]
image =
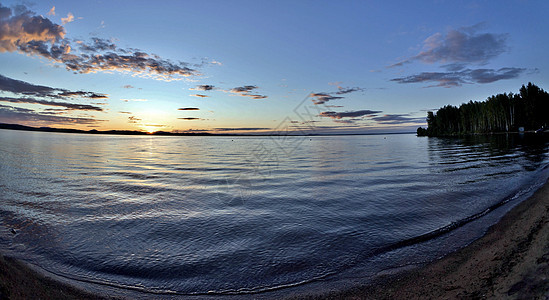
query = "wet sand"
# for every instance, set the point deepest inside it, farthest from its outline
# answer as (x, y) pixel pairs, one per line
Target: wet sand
(510, 262)
(18, 281)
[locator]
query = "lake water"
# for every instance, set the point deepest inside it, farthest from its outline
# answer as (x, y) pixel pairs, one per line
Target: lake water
(203, 214)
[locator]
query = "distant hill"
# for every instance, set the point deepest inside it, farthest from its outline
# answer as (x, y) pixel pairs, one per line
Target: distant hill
(93, 131)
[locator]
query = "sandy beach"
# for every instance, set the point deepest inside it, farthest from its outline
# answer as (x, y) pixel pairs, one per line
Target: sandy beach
(511, 261)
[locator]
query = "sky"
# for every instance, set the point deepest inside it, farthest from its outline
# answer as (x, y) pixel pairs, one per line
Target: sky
(262, 66)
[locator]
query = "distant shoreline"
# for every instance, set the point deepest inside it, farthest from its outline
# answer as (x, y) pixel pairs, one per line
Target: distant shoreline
(165, 133)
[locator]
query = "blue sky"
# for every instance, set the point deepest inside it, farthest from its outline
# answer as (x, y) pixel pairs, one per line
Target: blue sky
(261, 66)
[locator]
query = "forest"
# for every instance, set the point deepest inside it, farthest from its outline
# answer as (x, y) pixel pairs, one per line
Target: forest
(528, 110)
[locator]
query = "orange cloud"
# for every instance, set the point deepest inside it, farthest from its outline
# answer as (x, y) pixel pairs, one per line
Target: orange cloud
(68, 19)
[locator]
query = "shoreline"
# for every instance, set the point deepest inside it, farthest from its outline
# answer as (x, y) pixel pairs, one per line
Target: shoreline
(510, 261)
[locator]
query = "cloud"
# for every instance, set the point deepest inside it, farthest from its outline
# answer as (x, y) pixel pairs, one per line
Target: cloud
(392, 119)
(491, 75)
(125, 112)
(255, 96)
(322, 98)
(51, 12)
(348, 114)
(246, 91)
(134, 100)
(21, 87)
(9, 114)
(90, 95)
(25, 88)
(188, 108)
(136, 62)
(241, 129)
(203, 87)
(96, 45)
(128, 86)
(24, 27)
(463, 45)
(189, 119)
(199, 95)
(347, 90)
(454, 67)
(21, 30)
(345, 121)
(453, 79)
(70, 106)
(133, 120)
(54, 111)
(68, 19)
(17, 109)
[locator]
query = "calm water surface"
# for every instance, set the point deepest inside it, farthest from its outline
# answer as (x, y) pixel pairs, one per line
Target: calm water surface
(193, 215)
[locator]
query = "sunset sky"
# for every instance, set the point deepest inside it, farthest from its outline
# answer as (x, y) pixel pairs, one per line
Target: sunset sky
(262, 66)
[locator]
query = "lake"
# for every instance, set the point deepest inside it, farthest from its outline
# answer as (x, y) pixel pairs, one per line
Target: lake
(238, 215)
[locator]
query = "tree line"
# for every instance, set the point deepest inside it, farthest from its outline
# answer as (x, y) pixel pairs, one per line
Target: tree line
(528, 110)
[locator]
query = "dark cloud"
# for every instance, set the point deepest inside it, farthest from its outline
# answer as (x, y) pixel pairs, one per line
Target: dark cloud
(452, 79)
(491, 75)
(464, 45)
(16, 109)
(136, 62)
(70, 106)
(246, 91)
(255, 96)
(241, 129)
(347, 90)
(203, 87)
(397, 119)
(17, 115)
(321, 98)
(21, 30)
(345, 121)
(97, 44)
(348, 114)
(21, 87)
(90, 95)
(189, 108)
(454, 67)
(133, 120)
(54, 112)
(128, 86)
(125, 112)
(189, 119)
(199, 95)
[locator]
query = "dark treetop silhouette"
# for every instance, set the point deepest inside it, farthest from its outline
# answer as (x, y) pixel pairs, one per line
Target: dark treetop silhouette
(528, 109)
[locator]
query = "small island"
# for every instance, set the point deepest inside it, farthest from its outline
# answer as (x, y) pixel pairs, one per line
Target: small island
(526, 111)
